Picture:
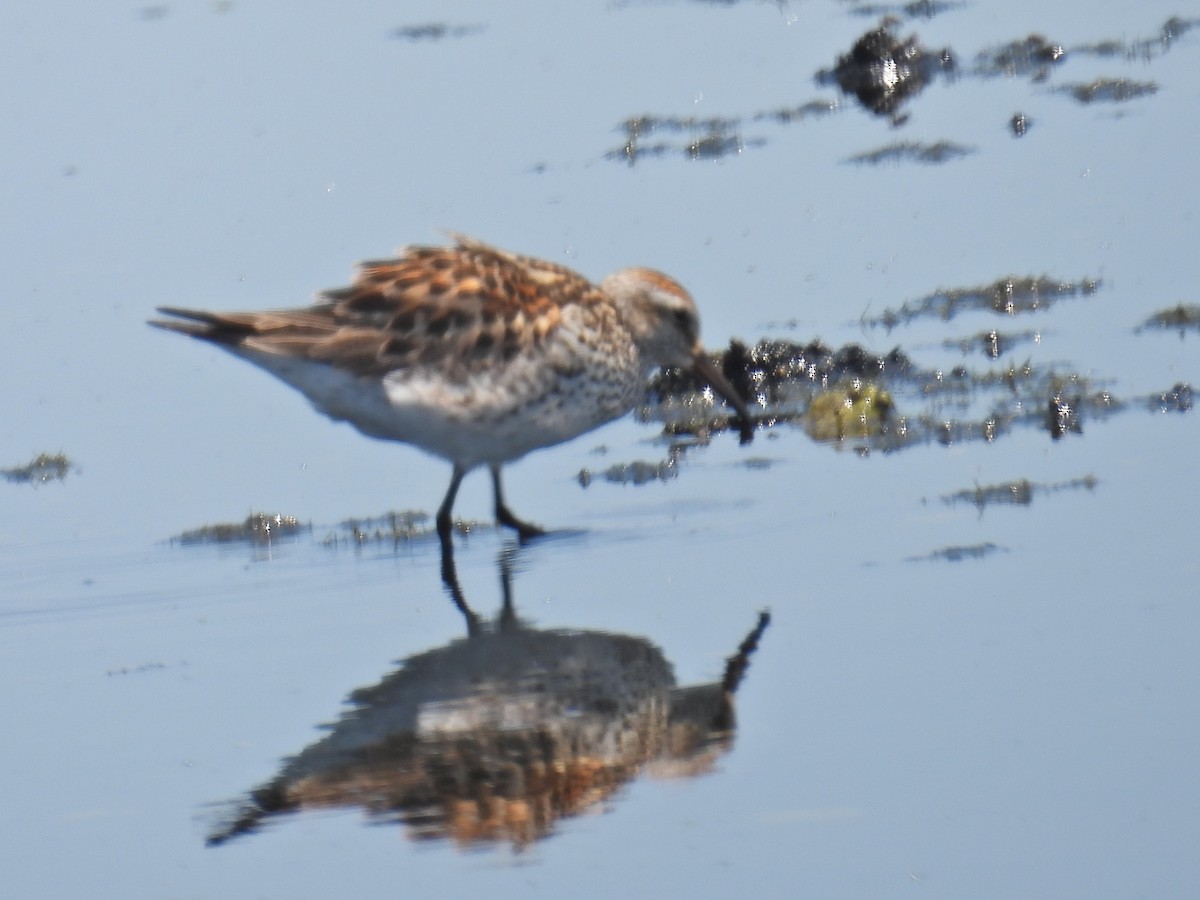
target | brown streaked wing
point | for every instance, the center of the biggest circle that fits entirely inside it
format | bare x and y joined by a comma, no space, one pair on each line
436,305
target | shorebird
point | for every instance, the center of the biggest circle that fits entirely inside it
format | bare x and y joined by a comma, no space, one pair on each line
473,353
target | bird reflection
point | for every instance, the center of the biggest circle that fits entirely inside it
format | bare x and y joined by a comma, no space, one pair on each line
492,738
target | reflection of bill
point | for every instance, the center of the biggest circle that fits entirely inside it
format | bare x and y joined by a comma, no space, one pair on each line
496,736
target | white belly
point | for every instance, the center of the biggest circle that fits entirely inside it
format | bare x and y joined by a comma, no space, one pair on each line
487,418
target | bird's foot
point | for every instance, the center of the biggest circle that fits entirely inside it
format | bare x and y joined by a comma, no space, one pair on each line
525,530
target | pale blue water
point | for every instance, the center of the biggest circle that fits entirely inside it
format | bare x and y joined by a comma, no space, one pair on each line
1018,725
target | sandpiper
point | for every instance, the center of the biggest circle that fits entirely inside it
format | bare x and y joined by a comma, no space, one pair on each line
472,353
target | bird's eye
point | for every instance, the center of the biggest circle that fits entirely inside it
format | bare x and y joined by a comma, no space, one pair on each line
683,319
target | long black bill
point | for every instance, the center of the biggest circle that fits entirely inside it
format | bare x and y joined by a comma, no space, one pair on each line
706,369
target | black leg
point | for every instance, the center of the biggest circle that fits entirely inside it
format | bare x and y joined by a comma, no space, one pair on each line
507,620
445,524
450,579
504,515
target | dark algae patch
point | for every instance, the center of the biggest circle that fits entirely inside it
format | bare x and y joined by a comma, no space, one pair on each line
395,528
993,343
1009,296
883,71
43,468
258,528
1029,57
690,137
959,554
1182,318
431,32
638,472
263,529
913,151
1109,90
1016,493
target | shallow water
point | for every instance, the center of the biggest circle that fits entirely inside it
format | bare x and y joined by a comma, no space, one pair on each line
974,698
